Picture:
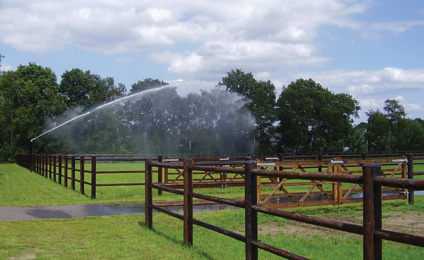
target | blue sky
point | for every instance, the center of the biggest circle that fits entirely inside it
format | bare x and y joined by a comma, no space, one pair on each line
371,49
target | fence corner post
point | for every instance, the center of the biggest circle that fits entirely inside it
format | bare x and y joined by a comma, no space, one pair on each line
148,194
251,215
372,246
188,203
411,195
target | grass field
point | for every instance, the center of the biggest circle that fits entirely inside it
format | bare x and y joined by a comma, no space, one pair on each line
125,237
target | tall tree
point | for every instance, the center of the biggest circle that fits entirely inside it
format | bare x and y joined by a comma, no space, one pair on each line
261,103
314,119
378,135
391,130
29,96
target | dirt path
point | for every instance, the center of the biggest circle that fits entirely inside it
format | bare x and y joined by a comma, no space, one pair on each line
411,222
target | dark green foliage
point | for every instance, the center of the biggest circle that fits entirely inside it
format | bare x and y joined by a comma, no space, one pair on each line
314,119
28,97
392,131
88,90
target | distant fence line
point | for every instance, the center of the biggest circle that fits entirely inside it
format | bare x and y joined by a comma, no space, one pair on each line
77,171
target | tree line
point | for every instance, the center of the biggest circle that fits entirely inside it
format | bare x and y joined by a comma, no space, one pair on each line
304,118
309,118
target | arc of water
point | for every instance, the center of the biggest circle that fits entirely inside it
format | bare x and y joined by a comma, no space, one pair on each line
100,107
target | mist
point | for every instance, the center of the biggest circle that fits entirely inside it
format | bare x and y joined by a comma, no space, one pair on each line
211,123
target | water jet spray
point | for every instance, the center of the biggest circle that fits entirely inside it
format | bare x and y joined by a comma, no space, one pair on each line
100,107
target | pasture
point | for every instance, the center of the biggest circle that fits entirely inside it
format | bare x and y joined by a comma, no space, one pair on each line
126,237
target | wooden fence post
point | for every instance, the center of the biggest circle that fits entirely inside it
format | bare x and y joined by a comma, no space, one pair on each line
42,165
160,174
46,166
37,157
82,177
188,203
148,194
60,169
372,246
54,167
93,177
65,177
73,172
410,158
337,186
49,162
251,215
39,166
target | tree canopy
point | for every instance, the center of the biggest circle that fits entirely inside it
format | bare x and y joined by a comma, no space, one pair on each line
392,131
28,97
312,119
87,90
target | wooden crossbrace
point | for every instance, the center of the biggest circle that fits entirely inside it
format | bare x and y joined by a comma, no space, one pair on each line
207,174
395,170
180,174
235,175
319,186
308,193
274,191
351,189
329,168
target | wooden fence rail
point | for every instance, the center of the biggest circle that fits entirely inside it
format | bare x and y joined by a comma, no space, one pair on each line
370,179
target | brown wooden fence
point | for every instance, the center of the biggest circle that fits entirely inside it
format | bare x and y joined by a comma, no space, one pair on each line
371,181
78,171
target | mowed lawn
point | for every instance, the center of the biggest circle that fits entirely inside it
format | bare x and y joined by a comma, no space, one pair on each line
126,237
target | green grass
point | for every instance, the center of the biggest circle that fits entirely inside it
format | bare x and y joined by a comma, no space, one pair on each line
19,187
125,237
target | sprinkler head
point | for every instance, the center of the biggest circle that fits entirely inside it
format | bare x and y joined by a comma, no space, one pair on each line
33,139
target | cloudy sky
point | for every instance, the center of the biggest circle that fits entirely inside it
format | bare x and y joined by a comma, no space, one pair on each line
371,49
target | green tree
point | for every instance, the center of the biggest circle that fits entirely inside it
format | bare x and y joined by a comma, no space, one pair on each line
392,131
29,96
314,119
261,102
146,84
378,132
87,90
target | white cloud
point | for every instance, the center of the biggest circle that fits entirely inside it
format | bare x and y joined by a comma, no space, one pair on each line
257,34
396,26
